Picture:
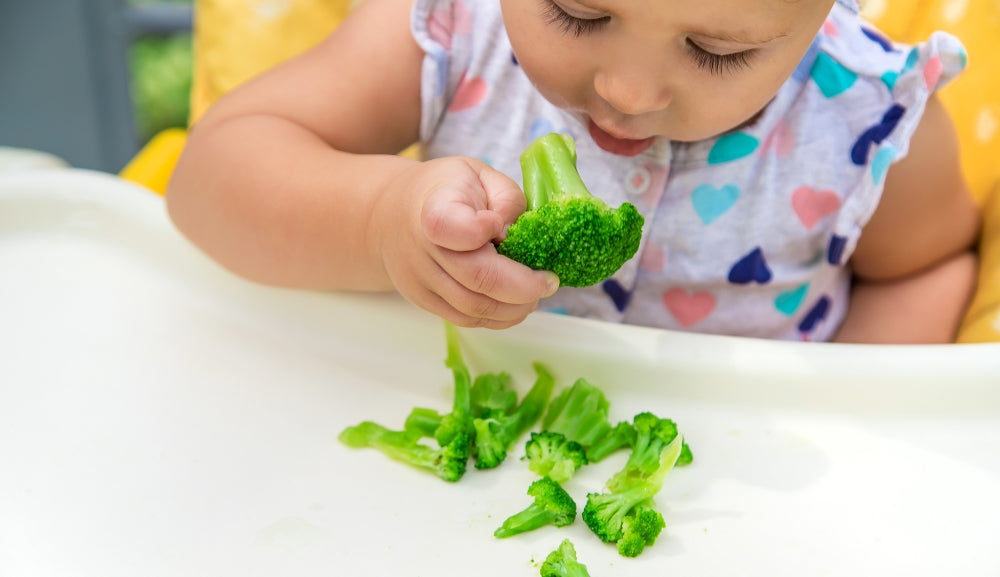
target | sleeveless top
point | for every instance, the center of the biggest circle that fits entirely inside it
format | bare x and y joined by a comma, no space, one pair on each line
749,233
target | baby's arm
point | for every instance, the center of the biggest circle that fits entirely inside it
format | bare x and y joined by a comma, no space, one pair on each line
915,269
293,180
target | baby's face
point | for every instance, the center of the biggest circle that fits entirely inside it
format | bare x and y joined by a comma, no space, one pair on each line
637,70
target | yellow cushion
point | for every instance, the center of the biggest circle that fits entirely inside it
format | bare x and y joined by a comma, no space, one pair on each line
974,98
152,166
237,39
982,322
974,103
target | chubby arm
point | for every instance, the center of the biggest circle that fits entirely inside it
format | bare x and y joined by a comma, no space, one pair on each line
914,266
293,180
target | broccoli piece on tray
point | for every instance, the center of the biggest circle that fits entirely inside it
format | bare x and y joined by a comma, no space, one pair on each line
565,228
552,506
563,562
652,436
551,454
620,436
447,462
580,412
624,512
454,431
496,430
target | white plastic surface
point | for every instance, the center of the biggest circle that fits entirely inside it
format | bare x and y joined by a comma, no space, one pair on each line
159,416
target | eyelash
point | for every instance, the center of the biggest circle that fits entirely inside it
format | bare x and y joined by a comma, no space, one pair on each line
569,24
719,63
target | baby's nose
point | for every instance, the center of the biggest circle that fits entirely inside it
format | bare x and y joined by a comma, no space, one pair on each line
631,92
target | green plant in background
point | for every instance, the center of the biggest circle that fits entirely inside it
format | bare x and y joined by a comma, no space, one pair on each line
161,72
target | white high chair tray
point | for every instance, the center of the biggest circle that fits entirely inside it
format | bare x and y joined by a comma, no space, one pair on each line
159,416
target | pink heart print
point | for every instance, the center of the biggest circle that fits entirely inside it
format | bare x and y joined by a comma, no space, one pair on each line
811,206
470,92
689,308
445,23
932,72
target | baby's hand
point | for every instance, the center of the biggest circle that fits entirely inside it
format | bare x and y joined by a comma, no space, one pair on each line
436,224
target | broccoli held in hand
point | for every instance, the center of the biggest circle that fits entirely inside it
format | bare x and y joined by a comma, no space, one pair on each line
552,506
551,454
563,562
565,228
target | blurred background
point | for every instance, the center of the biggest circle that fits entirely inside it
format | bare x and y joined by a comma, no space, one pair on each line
90,81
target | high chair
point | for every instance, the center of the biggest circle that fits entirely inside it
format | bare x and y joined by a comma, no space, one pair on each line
236,39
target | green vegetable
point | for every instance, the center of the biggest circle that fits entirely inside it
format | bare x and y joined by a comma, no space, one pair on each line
552,506
652,435
624,512
620,436
493,391
496,430
580,412
562,562
551,454
447,462
454,431
565,228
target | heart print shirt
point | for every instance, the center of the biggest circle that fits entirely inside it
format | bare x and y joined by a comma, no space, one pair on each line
749,233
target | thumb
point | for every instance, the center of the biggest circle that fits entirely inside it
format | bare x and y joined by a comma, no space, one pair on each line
503,196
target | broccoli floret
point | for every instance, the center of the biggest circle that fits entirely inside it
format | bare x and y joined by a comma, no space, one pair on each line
620,436
552,506
580,412
652,435
565,228
606,513
493,391
551,454
423,421
454,431
448,462
496,430
562,562
640,528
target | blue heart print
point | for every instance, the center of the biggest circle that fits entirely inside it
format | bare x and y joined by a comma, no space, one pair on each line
541,127
815,316
878,39
619,295
731,147
835,253
883,160
830,76
889,79
876,134
789,301
710,202
751,268
801,73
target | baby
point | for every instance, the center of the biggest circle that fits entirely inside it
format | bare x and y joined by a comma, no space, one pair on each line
797,175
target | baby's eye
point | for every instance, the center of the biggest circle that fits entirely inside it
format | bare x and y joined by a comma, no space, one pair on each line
569,24
720,64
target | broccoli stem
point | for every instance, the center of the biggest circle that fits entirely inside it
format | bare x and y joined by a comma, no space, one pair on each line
548,167
532,518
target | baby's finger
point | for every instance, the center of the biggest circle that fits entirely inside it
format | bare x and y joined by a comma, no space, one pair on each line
461,307
503,195
454,224
485,272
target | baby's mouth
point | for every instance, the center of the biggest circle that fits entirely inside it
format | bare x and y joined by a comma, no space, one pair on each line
615,145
